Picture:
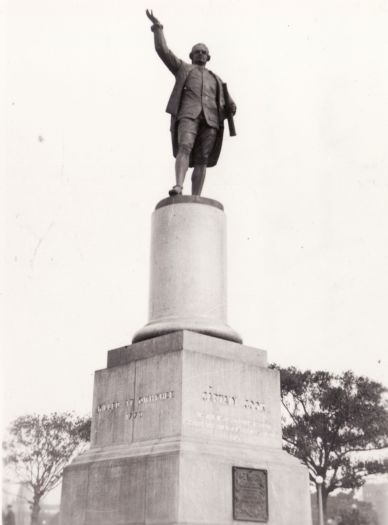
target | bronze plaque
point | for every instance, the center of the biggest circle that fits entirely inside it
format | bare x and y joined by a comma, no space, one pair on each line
250,494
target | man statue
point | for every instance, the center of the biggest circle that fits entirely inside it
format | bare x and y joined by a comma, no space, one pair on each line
197,107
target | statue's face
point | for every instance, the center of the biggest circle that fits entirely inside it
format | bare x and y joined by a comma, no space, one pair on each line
199,54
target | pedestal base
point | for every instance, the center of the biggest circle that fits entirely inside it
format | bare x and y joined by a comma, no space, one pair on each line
179,482
172,417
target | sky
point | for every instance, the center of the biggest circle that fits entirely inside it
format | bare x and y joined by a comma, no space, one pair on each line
87,157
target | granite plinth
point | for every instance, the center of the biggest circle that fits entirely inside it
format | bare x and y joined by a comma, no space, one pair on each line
170,420
191,341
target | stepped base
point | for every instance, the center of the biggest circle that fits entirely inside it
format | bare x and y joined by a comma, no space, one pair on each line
181,482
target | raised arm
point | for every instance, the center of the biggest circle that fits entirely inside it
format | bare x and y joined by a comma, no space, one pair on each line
172,62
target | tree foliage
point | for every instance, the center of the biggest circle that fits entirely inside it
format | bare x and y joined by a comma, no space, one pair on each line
40,446
329,419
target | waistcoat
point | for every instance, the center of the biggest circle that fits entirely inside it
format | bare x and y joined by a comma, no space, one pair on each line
200,95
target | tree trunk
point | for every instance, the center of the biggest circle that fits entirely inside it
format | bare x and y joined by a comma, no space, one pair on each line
35,509
325,496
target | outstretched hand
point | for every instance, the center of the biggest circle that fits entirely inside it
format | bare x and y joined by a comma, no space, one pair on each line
153,18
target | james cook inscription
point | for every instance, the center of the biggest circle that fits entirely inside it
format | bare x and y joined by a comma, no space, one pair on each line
240,416
225,399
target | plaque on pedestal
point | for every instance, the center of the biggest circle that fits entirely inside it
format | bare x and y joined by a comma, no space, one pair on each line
250,495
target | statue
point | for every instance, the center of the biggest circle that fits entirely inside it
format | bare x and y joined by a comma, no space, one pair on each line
198,105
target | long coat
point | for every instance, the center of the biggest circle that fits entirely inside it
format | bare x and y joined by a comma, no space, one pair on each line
181,71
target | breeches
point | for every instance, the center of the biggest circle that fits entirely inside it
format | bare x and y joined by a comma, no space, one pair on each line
195,137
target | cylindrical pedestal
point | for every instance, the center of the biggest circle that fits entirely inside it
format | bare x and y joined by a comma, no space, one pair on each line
188,269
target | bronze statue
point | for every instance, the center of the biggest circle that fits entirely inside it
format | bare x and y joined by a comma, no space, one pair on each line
198,105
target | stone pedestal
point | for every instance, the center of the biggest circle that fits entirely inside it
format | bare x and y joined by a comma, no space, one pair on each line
186,421
172,417
188,269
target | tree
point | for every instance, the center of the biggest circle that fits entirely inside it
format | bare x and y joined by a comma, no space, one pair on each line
328,420
40,446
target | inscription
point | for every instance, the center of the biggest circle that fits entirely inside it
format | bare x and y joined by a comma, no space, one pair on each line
162,396
222,399
133,415
254,405
233,428
131,404
104,407
225,399
250,494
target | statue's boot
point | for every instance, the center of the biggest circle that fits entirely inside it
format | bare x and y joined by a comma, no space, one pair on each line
175,190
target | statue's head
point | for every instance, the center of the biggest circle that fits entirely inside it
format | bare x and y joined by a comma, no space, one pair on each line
199,54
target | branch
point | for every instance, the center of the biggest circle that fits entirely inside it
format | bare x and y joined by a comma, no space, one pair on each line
289,413
363,449
306,459
335,436
285,438
333,479
303,405
55,474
